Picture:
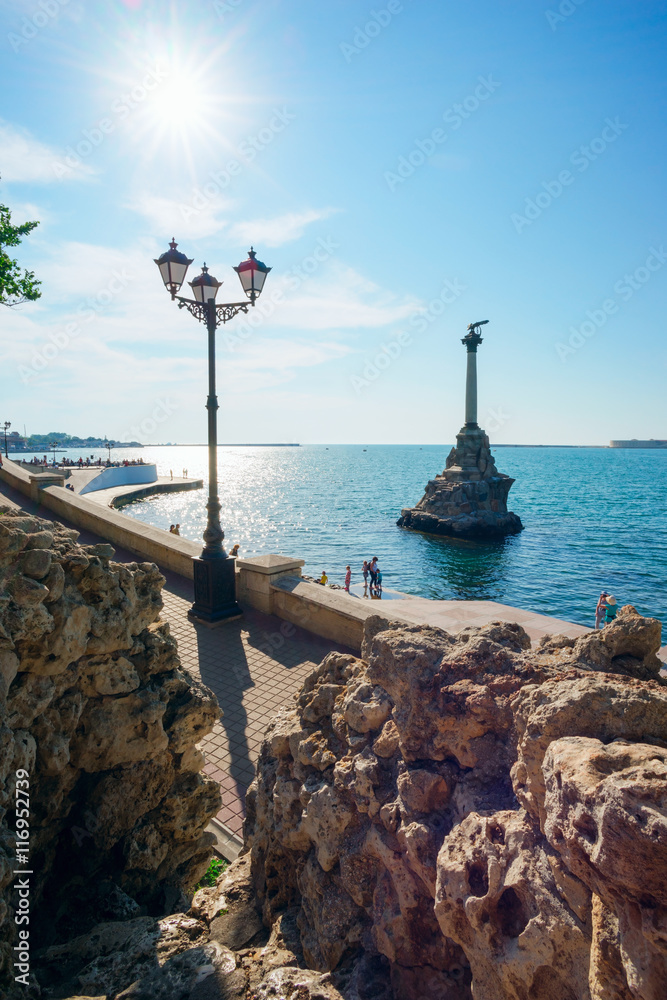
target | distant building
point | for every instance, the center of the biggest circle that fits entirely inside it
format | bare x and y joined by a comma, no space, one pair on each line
15,442
635,443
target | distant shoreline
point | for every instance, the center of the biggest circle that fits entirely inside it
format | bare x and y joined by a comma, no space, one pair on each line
604,446
227,444
640,446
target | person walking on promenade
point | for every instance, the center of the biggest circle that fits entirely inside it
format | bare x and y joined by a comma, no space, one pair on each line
364,570
348,578
378,582
600,610
611,609
177,529
324,579
172,529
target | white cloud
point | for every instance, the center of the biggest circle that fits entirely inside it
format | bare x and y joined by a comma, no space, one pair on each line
282,356
279,230
24,159
26,210
200,215
127,293
337,297
181,218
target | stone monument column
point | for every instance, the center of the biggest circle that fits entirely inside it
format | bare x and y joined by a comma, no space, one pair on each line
472,341
469,498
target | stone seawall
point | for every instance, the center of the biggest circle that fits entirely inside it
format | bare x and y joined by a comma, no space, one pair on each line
169,551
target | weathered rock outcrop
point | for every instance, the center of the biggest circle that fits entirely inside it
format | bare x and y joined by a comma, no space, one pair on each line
101,723
475,817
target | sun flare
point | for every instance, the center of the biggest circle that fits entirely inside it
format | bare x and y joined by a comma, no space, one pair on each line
186,114
181,101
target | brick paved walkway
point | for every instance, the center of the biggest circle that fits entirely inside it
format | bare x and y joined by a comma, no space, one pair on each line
254,665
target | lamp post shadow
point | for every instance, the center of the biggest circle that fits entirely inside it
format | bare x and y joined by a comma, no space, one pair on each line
223,667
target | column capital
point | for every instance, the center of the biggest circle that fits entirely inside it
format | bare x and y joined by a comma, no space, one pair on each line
472,342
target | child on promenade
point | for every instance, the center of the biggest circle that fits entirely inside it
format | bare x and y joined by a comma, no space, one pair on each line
600,610
348,578
610,612
364,570
324,579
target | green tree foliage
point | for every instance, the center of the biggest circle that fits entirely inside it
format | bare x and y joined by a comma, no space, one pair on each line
15,287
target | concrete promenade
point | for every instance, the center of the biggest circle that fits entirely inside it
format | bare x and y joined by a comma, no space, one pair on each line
118,496
452,616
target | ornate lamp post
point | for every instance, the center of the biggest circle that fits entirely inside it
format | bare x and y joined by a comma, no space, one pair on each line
7,424
53,446
214,574
109,445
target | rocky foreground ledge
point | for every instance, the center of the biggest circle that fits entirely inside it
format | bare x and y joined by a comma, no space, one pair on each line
446,817
99,722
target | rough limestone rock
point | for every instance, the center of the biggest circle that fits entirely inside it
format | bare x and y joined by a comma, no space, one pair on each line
606,815
96,709
469,498
142,959
464,812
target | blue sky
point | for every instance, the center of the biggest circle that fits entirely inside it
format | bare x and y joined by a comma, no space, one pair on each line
405,168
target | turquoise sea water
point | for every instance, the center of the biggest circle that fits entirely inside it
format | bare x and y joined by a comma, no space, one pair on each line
594,519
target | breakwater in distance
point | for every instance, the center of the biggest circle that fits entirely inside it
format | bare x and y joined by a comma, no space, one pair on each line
594,519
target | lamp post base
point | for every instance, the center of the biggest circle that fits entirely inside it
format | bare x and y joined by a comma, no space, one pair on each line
215,591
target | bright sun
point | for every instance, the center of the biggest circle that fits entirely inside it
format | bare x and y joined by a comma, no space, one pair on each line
180,101
186,112
191,107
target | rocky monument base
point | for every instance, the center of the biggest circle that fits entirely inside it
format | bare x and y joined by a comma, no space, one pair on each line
469,499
